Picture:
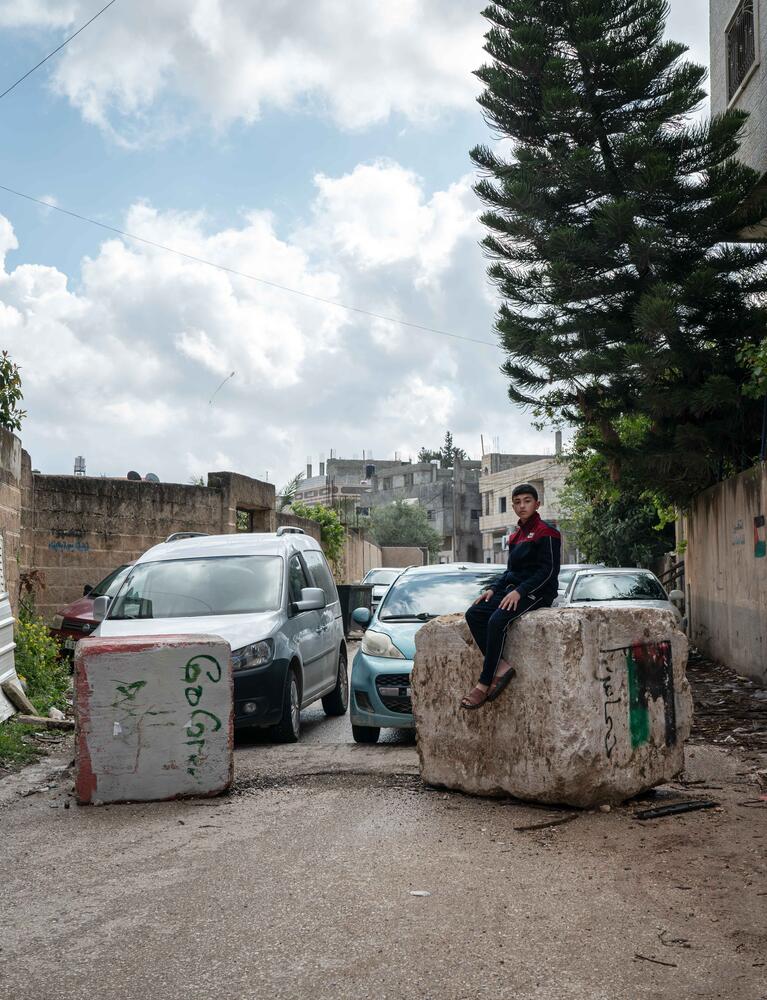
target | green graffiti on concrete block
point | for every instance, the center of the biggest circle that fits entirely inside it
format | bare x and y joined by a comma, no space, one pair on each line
639,715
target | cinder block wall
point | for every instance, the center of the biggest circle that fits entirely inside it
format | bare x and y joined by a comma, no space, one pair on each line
10,510
76,529
79,528
726,572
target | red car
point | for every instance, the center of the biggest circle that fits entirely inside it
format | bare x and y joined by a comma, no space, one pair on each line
76,619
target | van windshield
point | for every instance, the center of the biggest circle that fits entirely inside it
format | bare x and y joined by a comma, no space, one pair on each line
191,588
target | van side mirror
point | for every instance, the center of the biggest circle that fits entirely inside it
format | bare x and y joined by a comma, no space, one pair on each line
312,599
100,608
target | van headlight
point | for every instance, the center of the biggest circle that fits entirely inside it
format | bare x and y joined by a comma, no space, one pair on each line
256,654
380,644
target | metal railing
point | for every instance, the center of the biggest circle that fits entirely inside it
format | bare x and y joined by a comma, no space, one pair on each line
741,46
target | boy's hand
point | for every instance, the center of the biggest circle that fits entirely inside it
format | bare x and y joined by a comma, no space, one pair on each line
486,595
510,601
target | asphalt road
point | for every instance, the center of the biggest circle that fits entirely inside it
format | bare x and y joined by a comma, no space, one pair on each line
316,727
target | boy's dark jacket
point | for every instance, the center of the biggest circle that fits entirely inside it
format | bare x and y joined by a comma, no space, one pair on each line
533,566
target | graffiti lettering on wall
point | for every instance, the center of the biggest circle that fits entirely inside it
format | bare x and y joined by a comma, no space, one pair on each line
124,703
69,546
71,533
650,675
608,687
201,721
738,533
760,540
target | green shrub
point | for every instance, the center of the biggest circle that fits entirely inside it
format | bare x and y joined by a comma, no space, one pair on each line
38,663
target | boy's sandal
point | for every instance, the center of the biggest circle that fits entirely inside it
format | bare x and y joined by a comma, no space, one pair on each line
500,685
474,699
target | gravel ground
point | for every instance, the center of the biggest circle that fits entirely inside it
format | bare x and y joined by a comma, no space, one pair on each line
300,883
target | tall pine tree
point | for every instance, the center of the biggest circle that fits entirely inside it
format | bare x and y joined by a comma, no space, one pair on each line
623,294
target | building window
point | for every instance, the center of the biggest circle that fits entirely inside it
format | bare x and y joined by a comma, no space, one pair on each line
429,515
501,505
387,483
409,479
741,46
475,515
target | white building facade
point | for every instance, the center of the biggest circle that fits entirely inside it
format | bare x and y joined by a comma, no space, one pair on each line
738,41
498,520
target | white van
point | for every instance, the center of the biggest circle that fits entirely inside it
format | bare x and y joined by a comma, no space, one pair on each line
271,596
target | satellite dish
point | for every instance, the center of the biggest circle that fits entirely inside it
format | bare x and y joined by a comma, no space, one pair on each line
134,477
152,477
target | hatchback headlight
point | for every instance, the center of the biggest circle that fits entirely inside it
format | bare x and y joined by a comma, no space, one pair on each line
256,654
380,644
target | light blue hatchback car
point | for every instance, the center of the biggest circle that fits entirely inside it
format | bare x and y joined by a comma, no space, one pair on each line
380,684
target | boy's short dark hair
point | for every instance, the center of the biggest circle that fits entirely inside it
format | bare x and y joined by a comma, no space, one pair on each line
524,488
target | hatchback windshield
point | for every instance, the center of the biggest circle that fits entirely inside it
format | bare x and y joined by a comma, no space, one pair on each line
382,577
426,595
186,588
618,587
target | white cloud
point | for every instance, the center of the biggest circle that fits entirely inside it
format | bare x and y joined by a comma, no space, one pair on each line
358,63
378,215
124,368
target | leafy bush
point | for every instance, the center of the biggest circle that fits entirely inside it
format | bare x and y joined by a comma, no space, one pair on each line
402,523
332,531
39,664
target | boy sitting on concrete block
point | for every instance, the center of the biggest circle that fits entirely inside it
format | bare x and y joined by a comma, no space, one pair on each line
529,583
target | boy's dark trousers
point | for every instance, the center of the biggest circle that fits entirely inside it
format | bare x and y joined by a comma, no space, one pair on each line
488,624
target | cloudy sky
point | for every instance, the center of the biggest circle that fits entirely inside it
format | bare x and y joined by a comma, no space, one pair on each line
326,153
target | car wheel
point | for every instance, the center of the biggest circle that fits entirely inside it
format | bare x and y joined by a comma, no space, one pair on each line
288,729
337,701
366,734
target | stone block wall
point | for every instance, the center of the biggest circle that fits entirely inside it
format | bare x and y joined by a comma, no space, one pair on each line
10,511
76,529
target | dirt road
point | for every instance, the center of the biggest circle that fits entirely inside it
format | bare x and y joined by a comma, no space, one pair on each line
299,885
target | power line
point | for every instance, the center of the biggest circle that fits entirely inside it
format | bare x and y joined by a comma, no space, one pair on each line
249,277
60,47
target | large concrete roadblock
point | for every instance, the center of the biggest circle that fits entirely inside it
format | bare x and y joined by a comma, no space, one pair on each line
154,718
599,710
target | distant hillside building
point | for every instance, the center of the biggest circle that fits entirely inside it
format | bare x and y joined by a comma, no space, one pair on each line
500,474
449,496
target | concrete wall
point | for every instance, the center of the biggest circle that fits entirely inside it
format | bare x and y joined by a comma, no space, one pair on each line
359,556
76,529
752,96
726,572
291,521
10,511
403,555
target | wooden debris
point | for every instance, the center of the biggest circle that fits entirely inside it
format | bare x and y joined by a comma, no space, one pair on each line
655,961
559,821
16,695
45,723
675,808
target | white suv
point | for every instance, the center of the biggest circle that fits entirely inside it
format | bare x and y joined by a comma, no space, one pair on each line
272,597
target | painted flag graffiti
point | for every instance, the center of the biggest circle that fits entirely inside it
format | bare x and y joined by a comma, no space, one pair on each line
650,675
